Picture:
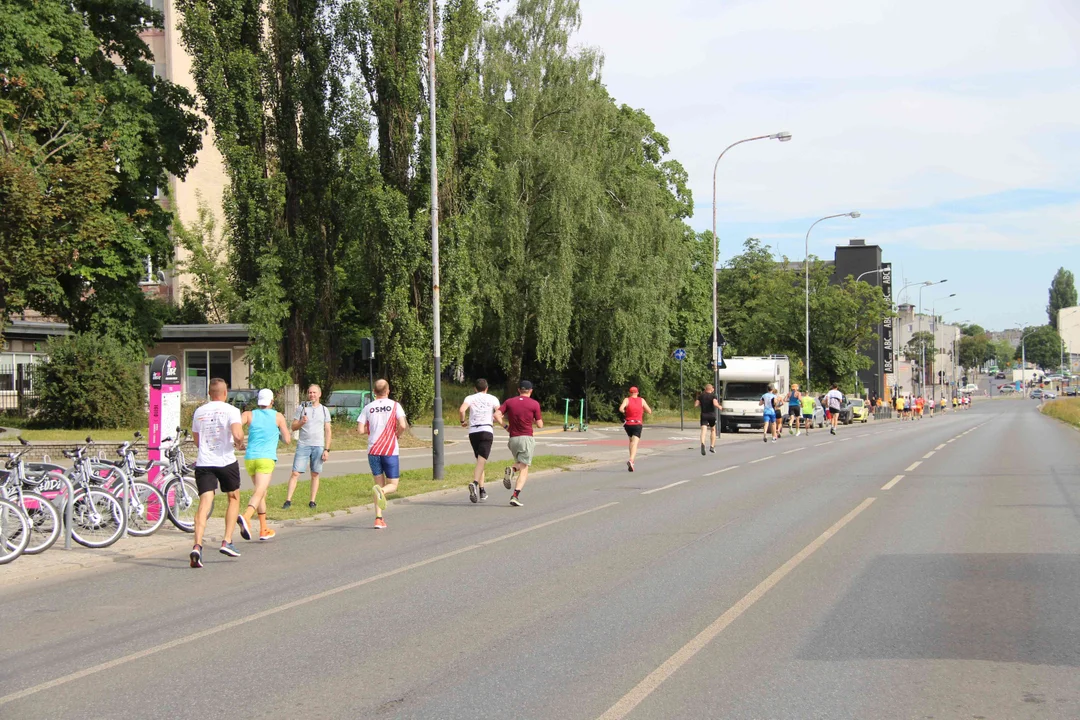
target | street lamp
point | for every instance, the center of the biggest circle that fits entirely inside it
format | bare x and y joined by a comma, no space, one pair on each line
922,366
933,312
869,272
1023,359
782,137
806,272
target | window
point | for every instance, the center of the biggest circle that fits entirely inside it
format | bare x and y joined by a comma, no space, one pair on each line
202,365
9,363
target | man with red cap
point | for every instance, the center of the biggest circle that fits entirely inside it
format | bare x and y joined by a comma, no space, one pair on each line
633,409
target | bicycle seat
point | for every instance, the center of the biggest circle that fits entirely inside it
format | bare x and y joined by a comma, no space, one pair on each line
113,463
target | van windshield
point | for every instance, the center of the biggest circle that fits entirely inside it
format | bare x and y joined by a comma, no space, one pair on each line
745,390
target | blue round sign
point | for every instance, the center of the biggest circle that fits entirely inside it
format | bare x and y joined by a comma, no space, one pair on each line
680,354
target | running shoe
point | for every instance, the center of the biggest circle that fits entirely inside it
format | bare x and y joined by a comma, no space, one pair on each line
508,477
798,433
311,505
630,466
702,448
267,534
765,438
832,431
380,496
228,549
791,431
712,449
483,495
474,491
245,530
380,524
196,557
516,501
286,505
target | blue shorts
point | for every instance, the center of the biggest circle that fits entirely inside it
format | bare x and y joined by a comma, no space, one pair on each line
305,455
387,465
770,416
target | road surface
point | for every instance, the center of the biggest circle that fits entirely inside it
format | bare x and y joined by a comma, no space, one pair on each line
897,570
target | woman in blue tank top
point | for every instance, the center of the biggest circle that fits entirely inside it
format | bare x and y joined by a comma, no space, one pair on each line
265,427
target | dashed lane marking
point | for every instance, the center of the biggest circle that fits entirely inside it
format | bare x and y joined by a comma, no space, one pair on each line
767,457
940,446
928,455
913,465
722,470
824,443
788,452
889,485
650,492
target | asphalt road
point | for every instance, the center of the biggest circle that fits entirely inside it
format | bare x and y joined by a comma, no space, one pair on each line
777,580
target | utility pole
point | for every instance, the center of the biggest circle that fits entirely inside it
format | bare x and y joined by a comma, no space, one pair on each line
437,455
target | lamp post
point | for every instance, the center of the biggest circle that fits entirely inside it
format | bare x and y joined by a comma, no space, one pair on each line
806,272
955,356
933,313
860,277
437,454
922,341
1023,359
782,137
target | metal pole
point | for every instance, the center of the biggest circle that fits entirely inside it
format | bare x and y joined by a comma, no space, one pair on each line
437,455
806,273
681,424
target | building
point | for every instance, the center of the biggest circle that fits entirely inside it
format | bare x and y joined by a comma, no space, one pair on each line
1069,329
942,365
1011,336
863,262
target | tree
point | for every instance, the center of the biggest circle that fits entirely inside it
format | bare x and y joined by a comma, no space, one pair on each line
88,381
88,136
1062,295
972,330
975,350
1042,347
1002,352
207,263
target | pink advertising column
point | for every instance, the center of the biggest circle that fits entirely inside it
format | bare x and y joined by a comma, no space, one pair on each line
164,406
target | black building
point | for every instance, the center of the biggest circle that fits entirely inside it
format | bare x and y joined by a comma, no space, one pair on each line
863,262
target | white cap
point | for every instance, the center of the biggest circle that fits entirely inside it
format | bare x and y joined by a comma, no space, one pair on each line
266,397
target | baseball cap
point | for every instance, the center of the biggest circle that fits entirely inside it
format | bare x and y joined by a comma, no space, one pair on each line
525,385
266,397
633,388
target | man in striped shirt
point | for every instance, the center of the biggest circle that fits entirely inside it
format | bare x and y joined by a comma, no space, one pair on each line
382,421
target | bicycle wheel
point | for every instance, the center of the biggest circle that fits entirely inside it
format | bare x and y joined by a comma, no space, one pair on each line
14,531
182,498
145,510
44,522
98,518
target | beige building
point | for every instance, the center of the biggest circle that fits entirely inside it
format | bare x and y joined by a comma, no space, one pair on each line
944,359
1069,329
207,179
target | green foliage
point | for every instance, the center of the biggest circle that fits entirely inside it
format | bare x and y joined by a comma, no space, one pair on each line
1062,295
972,330
207,263
87,136
266,312
1002,352
976,350
1042,347
89,381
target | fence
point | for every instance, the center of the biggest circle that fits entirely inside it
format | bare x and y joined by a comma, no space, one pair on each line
18,389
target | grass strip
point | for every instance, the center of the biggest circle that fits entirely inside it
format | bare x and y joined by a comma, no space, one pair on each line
346,491
1067,410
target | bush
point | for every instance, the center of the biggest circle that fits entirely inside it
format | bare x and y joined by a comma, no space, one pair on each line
91,382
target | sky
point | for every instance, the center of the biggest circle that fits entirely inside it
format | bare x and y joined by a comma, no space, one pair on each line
952,126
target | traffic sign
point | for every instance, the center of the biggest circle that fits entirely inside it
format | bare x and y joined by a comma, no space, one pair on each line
680,354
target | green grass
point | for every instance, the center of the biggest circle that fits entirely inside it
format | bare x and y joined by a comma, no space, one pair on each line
78,436
347,491
1067,410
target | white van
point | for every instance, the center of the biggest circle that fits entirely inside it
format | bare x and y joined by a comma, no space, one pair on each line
743,382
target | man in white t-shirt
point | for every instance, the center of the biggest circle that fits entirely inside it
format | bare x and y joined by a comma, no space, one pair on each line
481,407
835,400
218,432
382,421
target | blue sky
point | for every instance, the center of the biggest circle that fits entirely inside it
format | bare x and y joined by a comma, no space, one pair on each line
953,127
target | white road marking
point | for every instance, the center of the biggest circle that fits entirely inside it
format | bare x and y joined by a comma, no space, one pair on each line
913,465
844,439
940,446
717,472
794,451
767,457
928,455
653,680
187,639
650,492
824,443
892,482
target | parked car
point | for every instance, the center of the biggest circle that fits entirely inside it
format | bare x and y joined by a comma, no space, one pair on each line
1072,391
1036,394
1049,395
1000,376
1006,389
859,410
242,399
347,403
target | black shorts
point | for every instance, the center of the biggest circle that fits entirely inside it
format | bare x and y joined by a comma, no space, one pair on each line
207,479
632,430
709,420
795,411
481,444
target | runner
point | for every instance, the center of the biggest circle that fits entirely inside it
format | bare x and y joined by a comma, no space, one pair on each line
955,402
919,404
481,407
768,414
633,409
835,399
218,433
808,412
930,403
265,426
710,406
794,401
383,420
778,410
522,412
899,407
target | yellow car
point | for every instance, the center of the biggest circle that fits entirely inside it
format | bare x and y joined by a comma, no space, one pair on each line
859,411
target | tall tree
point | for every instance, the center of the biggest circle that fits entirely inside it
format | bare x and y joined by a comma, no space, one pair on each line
1042,347
1062,295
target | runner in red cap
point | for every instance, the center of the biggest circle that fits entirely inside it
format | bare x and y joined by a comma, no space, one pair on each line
633,409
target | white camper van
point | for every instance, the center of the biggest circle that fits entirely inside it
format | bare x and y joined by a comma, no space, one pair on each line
744,381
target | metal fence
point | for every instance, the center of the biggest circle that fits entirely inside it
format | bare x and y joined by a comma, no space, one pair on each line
18,388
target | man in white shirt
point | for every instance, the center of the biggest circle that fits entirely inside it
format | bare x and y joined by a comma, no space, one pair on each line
218,432
383,420
481,407
835,400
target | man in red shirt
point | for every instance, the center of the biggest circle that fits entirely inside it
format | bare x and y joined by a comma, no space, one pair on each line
633,409
521,413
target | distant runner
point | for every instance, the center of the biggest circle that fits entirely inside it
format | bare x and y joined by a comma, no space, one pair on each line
794,399
633,409
383,420
835,400
899,407
808,411
768,414
522,412
710,406
481,408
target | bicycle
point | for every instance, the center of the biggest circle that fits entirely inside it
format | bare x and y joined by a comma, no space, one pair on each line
98,517
144,504
14,531
43,518
178,484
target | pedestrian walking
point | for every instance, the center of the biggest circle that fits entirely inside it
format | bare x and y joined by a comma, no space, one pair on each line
265,427
633,409
481,408
521,414
218,432
835,400
768,414
710,407
314,432
383,420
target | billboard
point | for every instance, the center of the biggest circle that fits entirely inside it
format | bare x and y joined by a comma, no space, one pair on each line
887,323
